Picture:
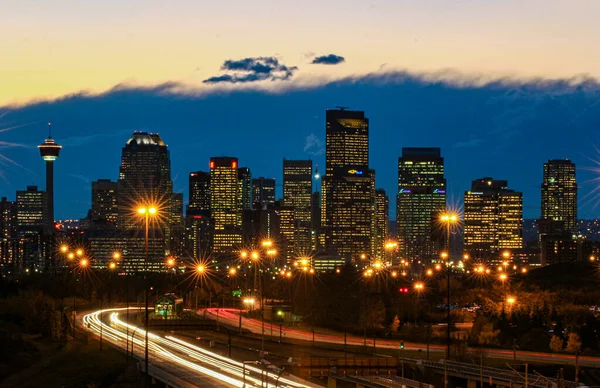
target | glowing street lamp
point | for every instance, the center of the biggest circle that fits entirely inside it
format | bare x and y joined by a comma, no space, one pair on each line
112,265
64,248
146,212
429,272
200,268
116,255
170,262
419,286
79,252
244,254
83,263
511,300
71,256
232,271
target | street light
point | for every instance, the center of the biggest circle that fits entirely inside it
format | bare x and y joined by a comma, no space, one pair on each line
449,219
64,248
146,212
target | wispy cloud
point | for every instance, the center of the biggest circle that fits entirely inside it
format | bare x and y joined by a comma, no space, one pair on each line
77,141
330,59
253,69
314,145
472,142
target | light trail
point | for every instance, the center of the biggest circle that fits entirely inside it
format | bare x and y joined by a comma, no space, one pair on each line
184,354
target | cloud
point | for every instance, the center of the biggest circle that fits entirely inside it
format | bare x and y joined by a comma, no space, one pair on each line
314,145
253,69
330,59
472,142
78,141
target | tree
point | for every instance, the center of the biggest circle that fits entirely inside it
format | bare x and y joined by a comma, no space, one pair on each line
556,344
573,343
488,335
395,323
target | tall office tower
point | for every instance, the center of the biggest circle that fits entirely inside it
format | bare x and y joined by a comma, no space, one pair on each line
374,242
263,193
199,193
8,233
559,193
245,187
144,178
104,202
346,214
225,207
297,194
421,193
32,218
316,221
493,219
382,216
287,232
49,151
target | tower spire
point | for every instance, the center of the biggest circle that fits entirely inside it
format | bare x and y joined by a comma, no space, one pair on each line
49,130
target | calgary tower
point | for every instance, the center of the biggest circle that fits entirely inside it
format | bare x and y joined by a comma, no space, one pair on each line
49,151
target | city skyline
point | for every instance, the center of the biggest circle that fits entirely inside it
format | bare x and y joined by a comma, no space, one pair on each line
385,184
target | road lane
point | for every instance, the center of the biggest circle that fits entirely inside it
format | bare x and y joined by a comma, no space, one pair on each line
184,359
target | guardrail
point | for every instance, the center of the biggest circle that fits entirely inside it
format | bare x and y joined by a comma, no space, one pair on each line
493,373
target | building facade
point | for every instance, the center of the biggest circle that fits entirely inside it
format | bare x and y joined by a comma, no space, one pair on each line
245,187
493,219
199,193
263,193
225,206
105,210
297,194
559,193
421,193
347,194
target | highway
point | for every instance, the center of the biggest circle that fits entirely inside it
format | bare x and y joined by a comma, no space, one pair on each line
182,359
231,317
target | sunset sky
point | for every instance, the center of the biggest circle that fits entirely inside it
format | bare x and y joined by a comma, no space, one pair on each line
52,48
500,86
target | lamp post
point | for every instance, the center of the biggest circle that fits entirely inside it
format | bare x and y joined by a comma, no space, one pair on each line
146,212
448,219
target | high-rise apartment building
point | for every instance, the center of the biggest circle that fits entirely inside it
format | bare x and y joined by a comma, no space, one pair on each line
347,195
199,193
421,193
559,193
245,187
493,219
297,194
104,202
263,193
225,206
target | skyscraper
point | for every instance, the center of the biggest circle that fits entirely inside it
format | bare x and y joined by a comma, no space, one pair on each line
8,232
382,211
32,218
144,178
559,193
493,219
49,151
225,207
421,193
263,193
245,187
297,194
104,202
199,193
347,187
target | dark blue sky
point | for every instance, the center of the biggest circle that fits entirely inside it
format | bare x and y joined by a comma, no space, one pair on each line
506,130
